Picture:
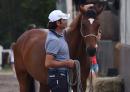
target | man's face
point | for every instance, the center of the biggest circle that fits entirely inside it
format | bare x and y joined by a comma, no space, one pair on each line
63,23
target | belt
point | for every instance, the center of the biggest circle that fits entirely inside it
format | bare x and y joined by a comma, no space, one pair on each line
56,72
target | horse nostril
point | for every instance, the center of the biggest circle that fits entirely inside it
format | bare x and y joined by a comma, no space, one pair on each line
91,51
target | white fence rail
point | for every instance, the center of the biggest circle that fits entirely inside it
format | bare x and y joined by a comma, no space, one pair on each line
3,51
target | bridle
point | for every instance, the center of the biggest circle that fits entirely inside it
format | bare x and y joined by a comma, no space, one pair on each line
88,35
90,51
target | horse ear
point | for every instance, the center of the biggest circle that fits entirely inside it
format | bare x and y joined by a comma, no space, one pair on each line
81,8
84,8
99,7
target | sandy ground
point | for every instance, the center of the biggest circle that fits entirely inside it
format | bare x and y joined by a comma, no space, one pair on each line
8,83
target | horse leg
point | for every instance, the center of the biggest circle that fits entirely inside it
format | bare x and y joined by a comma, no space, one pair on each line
26,82
84,85
31,84
44,88
74,88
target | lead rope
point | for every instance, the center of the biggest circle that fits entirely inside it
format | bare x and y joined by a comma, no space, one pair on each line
91,80
77,81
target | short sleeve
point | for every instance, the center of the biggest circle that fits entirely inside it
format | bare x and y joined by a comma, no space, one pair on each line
52,46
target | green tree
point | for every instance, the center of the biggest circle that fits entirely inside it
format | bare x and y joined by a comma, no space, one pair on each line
15,15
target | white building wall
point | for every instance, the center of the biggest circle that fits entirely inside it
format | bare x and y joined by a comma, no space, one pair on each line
66,7
1,49
69,10
125,22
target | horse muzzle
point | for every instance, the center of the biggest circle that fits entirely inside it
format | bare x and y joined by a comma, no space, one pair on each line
91,51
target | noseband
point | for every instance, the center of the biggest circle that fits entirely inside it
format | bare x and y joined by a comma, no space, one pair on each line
89,35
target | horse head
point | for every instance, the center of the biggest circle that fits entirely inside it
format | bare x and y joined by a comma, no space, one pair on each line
90,26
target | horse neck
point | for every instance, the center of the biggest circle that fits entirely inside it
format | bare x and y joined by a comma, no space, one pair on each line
74,38
73,33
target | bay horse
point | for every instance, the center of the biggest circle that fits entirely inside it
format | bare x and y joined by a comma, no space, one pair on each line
29,51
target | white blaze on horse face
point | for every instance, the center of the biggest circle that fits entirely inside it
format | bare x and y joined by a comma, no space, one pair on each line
91,20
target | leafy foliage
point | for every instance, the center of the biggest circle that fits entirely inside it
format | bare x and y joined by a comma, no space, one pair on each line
15,15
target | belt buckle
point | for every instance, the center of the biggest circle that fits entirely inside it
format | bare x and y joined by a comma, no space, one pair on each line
62,74
52,76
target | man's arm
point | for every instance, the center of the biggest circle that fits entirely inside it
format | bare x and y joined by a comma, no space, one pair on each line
50,62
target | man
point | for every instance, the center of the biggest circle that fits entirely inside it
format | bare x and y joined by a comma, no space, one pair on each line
57,52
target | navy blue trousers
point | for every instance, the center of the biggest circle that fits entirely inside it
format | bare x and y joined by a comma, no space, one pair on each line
57,81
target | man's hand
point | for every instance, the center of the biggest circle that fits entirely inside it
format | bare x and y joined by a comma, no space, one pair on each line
84,8
70,63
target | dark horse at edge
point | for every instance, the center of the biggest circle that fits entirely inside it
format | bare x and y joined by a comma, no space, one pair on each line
29,52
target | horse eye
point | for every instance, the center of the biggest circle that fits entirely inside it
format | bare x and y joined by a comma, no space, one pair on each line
84,24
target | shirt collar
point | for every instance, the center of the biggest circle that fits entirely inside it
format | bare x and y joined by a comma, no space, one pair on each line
57,34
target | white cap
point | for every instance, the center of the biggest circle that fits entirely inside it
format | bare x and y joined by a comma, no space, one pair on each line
56,15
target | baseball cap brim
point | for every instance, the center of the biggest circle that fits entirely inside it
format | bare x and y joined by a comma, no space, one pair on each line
65,16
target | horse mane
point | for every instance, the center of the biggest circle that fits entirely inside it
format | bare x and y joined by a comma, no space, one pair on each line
75,23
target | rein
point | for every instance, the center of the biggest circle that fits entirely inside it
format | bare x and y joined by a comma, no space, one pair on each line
91,81
77,81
